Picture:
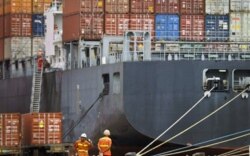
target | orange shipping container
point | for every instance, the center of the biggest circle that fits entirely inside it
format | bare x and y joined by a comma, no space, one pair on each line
1,8
1,26
192,27
26,25
142,22
17,6
10,129
70,8
167,6
88,6
40,6
41,128
117,6
192,7
116,24
142,6
71,31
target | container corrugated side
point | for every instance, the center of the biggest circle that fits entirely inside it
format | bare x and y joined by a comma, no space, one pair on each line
220,7
70,8
16,48
192,27
37,43
26,6
13,25
88,6
167,6
240,5
10,129
41,128
239,26
37,25
13,6
92,26
26,25
142,22
192,7
167,27
1,26
117,6
142,6
217,27
40,6
1,49
71,31
116,24
1,7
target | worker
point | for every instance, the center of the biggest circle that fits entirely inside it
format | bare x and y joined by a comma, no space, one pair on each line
104,144
39,60
83,145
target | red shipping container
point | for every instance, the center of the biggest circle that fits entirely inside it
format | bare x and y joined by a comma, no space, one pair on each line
26,25
192,7
1,26
91,26
10,129
142,22
41,128
1,49
1,8
192,27
70,7
71,31
116,24
167,6
88,6
117,6
142,6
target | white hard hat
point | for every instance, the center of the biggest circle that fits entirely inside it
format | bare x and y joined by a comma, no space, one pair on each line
84,135
106,132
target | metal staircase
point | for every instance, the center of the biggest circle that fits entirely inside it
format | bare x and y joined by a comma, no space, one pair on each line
36,89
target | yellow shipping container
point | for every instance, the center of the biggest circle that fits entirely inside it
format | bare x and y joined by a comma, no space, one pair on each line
39,6
17,6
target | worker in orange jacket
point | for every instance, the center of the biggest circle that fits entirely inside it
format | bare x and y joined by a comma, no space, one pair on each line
40,59
104,144
83,145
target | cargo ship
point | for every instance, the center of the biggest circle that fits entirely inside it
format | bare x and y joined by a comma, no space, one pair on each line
135,70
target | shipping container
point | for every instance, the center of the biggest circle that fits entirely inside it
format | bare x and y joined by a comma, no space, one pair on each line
142,6
167,6
40,6
192,27
88,6
16,48
167,27
116,24
70,8
239,26
240,5
37,43
218,7
13,6
217,27
38,25
1,7
10,130
91,26
71,31
117,6
192,7
26,6
41,128
1,26
142,22
17,25
1,49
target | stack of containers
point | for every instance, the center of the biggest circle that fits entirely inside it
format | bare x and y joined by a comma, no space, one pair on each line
240,22
217,20
192,20
116,17
88,19
1,31
167,25
142,15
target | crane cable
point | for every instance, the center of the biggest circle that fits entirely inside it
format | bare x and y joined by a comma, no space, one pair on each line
217,143
209,115
234,151
202,143
204,96
243,154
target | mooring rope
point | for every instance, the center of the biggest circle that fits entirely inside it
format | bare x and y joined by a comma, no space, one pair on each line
198,102
234,151
182,132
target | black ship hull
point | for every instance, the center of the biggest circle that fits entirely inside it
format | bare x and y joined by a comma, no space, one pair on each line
142,100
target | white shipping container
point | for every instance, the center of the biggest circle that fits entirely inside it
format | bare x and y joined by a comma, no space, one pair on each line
240,5
239,26
17,48
220,7
38,43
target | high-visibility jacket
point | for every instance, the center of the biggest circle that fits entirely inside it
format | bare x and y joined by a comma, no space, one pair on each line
104,146
82,147
39,63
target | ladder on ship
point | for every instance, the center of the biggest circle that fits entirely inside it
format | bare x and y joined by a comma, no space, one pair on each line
36,88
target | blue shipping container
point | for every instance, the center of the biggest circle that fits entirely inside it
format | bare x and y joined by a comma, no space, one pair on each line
167,27
217,27
38,25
